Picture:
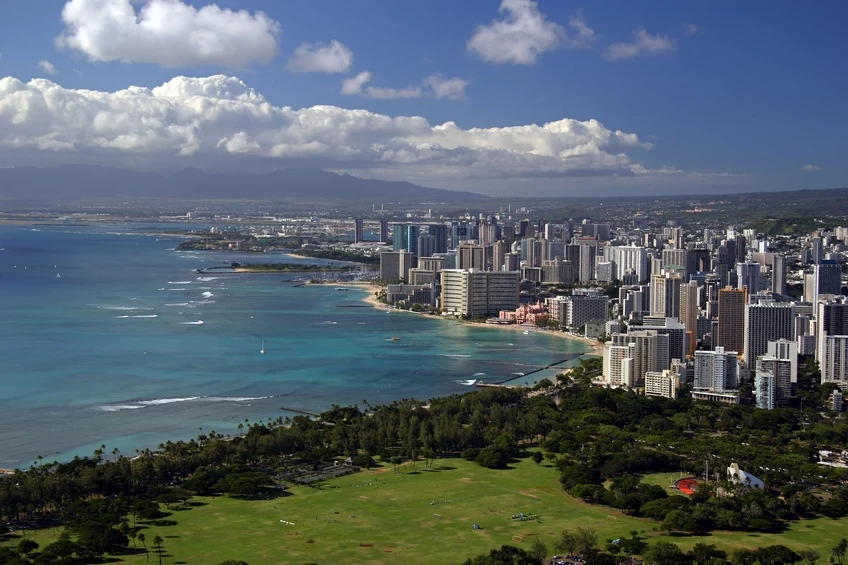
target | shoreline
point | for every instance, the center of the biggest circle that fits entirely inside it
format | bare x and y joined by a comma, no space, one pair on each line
593,346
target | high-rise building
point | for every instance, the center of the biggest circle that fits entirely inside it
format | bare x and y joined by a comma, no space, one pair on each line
647,348
394,266
628,258
588,256
618,365
781,363
440,233
665,293
434,264
834,360
716,370
765,387
678,258
764,322
557,271
412,233
689,311
399,238
472,293
671,327
748,276
584,305
818,250
426,245
384,231
778,274
731,319
831,320
358,224
499,251
827,279
472,256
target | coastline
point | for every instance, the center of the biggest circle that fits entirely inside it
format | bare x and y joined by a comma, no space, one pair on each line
594,347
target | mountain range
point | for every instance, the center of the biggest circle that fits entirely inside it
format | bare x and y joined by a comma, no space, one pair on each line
81,182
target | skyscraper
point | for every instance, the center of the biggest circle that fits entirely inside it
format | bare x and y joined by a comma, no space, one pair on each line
689,311
665,293
827,279
471,256
731,319
588,256
357,230
831,320
440,233
778,274
627,258
412,233
472,293
748,275
399,238
426,245
384,230
765,322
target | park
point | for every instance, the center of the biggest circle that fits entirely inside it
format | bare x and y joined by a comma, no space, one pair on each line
417,517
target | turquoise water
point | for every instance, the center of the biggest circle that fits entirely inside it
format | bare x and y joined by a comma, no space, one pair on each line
111,352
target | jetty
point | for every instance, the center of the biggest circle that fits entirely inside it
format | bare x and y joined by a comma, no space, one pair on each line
525,375
299,411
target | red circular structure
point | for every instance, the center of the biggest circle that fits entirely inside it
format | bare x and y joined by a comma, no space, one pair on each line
687,485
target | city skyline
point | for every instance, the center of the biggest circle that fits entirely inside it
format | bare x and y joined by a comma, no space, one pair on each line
517,97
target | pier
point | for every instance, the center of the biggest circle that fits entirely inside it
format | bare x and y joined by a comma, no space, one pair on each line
299,411
525,375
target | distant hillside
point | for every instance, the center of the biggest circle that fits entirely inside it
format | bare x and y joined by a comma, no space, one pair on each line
80,182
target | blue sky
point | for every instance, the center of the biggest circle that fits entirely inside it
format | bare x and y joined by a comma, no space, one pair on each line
711,96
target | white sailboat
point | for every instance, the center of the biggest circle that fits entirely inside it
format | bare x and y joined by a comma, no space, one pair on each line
262,351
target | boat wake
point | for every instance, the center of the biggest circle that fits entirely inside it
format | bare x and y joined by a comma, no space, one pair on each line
207,279
478,374
467,382
207,294
197,323
146,316
179,282
458,356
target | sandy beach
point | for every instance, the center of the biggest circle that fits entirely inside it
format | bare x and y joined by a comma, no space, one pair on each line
594,346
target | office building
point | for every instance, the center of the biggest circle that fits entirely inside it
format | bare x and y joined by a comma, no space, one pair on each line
731,319
664,384
764,322
827,279
399,238
717,370
358,225
472,256
471,293
440,234
689,311
748,276
412,233
426,245
384,231
778,274
394,266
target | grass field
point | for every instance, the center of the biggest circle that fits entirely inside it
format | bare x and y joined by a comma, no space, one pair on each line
383,517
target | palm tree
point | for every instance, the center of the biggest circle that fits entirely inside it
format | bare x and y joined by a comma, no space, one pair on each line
838,553
240,429
115,452
157,541
142,538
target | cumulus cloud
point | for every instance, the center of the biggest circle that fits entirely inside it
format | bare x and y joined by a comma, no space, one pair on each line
434,86
643,45
810,168
524,34
169,33
333,57
220,118
47,67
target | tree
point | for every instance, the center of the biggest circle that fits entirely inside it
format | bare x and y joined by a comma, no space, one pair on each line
157,541
142,538
27,546
537,457
506,555
665,553
837,554
809,556
539,549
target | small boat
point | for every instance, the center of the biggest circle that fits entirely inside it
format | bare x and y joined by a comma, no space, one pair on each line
58,276
342,289
527,332
395,338
262,351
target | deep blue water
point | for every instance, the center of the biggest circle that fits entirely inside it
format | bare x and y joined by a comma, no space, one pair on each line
74,373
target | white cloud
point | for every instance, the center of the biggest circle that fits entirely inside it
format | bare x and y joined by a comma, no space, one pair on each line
169,33
524,34
644,45
689,30
47,67
333,57
434,86
440,87
220,119
810,168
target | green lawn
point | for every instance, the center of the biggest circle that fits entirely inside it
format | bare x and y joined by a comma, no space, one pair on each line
379,516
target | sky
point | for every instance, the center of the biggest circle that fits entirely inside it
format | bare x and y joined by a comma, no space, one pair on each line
509,97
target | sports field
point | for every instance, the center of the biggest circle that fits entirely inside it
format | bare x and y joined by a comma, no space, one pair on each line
379,516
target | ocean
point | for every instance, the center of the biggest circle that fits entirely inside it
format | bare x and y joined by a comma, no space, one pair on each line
101,343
